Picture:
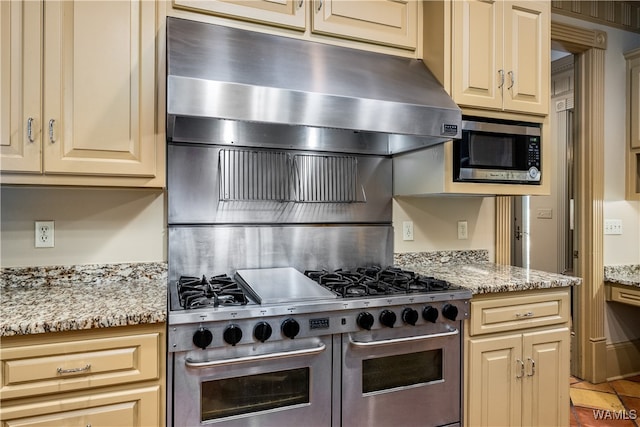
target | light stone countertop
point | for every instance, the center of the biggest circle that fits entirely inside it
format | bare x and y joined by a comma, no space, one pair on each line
53,299
628,275
473,272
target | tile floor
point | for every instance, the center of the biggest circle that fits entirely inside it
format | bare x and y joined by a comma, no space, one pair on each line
614,403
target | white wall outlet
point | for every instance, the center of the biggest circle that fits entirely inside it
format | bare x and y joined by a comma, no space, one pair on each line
612,226
44,234
463,232
407,230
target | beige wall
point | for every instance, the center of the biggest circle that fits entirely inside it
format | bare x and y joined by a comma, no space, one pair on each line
620,320
91,226
435,223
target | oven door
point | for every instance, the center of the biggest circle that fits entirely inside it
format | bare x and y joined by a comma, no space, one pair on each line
403,381
275,388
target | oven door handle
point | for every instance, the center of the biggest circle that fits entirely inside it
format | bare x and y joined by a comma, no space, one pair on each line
212,363
402,340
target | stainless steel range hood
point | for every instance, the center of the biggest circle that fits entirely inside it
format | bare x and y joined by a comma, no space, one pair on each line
225,85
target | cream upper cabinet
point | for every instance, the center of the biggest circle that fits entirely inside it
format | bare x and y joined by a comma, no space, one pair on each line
286,13
20,88
501,54
386,22
633,125
390,23
517,360
97,115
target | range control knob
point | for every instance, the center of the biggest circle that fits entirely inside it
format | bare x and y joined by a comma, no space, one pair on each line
202,338
262,331
232,334
410,316
430,314
450,311
365,320
290,328
388,318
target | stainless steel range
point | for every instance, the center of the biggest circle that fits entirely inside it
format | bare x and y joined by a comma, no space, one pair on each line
283,310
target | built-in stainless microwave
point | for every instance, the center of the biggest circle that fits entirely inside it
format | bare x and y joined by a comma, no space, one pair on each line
497,151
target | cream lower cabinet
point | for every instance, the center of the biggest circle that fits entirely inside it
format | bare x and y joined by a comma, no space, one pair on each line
81,93
107,377
518,376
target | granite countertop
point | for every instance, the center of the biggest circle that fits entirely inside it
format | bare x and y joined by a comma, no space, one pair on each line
628,275
474,272
53,299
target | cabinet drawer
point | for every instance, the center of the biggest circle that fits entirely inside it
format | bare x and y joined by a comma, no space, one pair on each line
135,407
64,366
520,312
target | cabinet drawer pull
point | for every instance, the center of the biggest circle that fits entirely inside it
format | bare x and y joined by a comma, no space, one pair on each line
319,6
501,72
30,129
521,363
532,363
527,314
85,368
512,79
300,4
51,122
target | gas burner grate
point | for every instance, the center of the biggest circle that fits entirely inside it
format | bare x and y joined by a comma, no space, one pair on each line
221,290
375,280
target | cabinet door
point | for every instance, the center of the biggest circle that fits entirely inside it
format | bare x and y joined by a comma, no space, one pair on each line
634,105
545,392
286,13
99,87
20,88
127,408
495,381
527,46
477,53
388,22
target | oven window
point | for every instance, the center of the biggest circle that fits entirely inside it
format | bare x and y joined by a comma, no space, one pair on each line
253,393
402,370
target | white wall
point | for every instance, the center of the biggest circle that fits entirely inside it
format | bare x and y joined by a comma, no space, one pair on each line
435,223
92,226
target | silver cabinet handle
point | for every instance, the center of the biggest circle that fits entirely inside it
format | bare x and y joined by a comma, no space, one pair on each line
512,79
532,363
402,340
85,368
30,129
213,363
521,363
501,72
319,5
527,314
51,122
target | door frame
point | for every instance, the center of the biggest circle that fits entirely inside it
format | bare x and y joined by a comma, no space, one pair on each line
588,46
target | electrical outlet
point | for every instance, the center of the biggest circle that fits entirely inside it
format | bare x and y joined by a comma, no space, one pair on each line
463,232
612,226
407,230
44,234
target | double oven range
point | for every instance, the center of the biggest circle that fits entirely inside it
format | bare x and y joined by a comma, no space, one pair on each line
282,309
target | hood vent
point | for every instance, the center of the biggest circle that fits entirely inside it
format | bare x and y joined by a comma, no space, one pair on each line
218,76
